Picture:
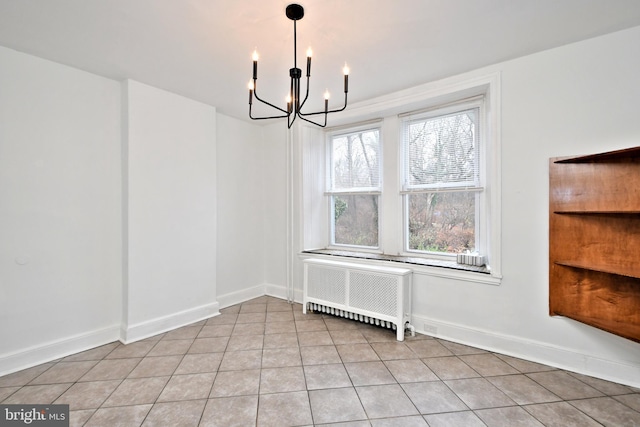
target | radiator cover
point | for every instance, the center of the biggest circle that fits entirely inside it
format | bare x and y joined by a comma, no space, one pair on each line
377,295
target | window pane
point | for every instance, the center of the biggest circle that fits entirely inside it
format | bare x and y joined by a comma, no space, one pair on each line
442,221
442,151
355,160
355,220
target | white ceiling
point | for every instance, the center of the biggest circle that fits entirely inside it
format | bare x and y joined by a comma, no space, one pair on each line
202,48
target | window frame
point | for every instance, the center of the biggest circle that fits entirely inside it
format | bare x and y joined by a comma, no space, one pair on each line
330,134
406,190
315,238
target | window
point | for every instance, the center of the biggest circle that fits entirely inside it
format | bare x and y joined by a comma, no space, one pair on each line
441,181
354,187
414,179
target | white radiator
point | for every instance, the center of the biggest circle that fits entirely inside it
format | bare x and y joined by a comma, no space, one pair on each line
372,294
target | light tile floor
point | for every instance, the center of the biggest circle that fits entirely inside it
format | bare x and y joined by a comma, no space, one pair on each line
265,363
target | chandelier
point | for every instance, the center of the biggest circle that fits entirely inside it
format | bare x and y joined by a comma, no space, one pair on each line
294,102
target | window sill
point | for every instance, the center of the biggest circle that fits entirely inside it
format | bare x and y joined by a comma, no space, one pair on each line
430,267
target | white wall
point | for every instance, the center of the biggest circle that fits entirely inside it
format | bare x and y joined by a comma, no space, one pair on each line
170,211
60,266
107,210
61,249
580,98
108,185
241,202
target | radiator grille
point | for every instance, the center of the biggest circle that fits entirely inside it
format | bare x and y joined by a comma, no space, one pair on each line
374,293
378,295
327,284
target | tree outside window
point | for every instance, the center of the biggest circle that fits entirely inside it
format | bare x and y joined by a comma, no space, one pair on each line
355,187
442,182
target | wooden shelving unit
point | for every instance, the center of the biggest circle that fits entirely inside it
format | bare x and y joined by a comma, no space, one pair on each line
594,240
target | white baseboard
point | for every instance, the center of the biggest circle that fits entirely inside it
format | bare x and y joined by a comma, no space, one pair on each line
281,292
534,351
562,358
241,296
149,328
63,347
269,289
53,350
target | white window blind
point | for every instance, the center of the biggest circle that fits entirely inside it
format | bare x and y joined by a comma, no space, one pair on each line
442,152
355,161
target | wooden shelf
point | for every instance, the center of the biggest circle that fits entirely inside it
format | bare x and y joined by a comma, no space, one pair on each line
594,233
597,212
609,269
625,155
605,325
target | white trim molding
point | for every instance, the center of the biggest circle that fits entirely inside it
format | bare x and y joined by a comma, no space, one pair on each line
279,291
530,350
238,297
53,350
149,328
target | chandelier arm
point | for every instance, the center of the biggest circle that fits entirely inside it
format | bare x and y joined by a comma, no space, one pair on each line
270,104
296,91
265,118
290,120
306,95
328,111
312,122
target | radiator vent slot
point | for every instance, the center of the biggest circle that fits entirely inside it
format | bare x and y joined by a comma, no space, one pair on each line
319,308
372,294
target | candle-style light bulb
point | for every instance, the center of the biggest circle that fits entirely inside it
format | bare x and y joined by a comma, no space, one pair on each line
288,103
255,64
326,101
345,70
250,86
309,53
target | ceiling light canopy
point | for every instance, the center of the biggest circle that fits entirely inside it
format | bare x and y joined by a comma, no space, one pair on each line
294,106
